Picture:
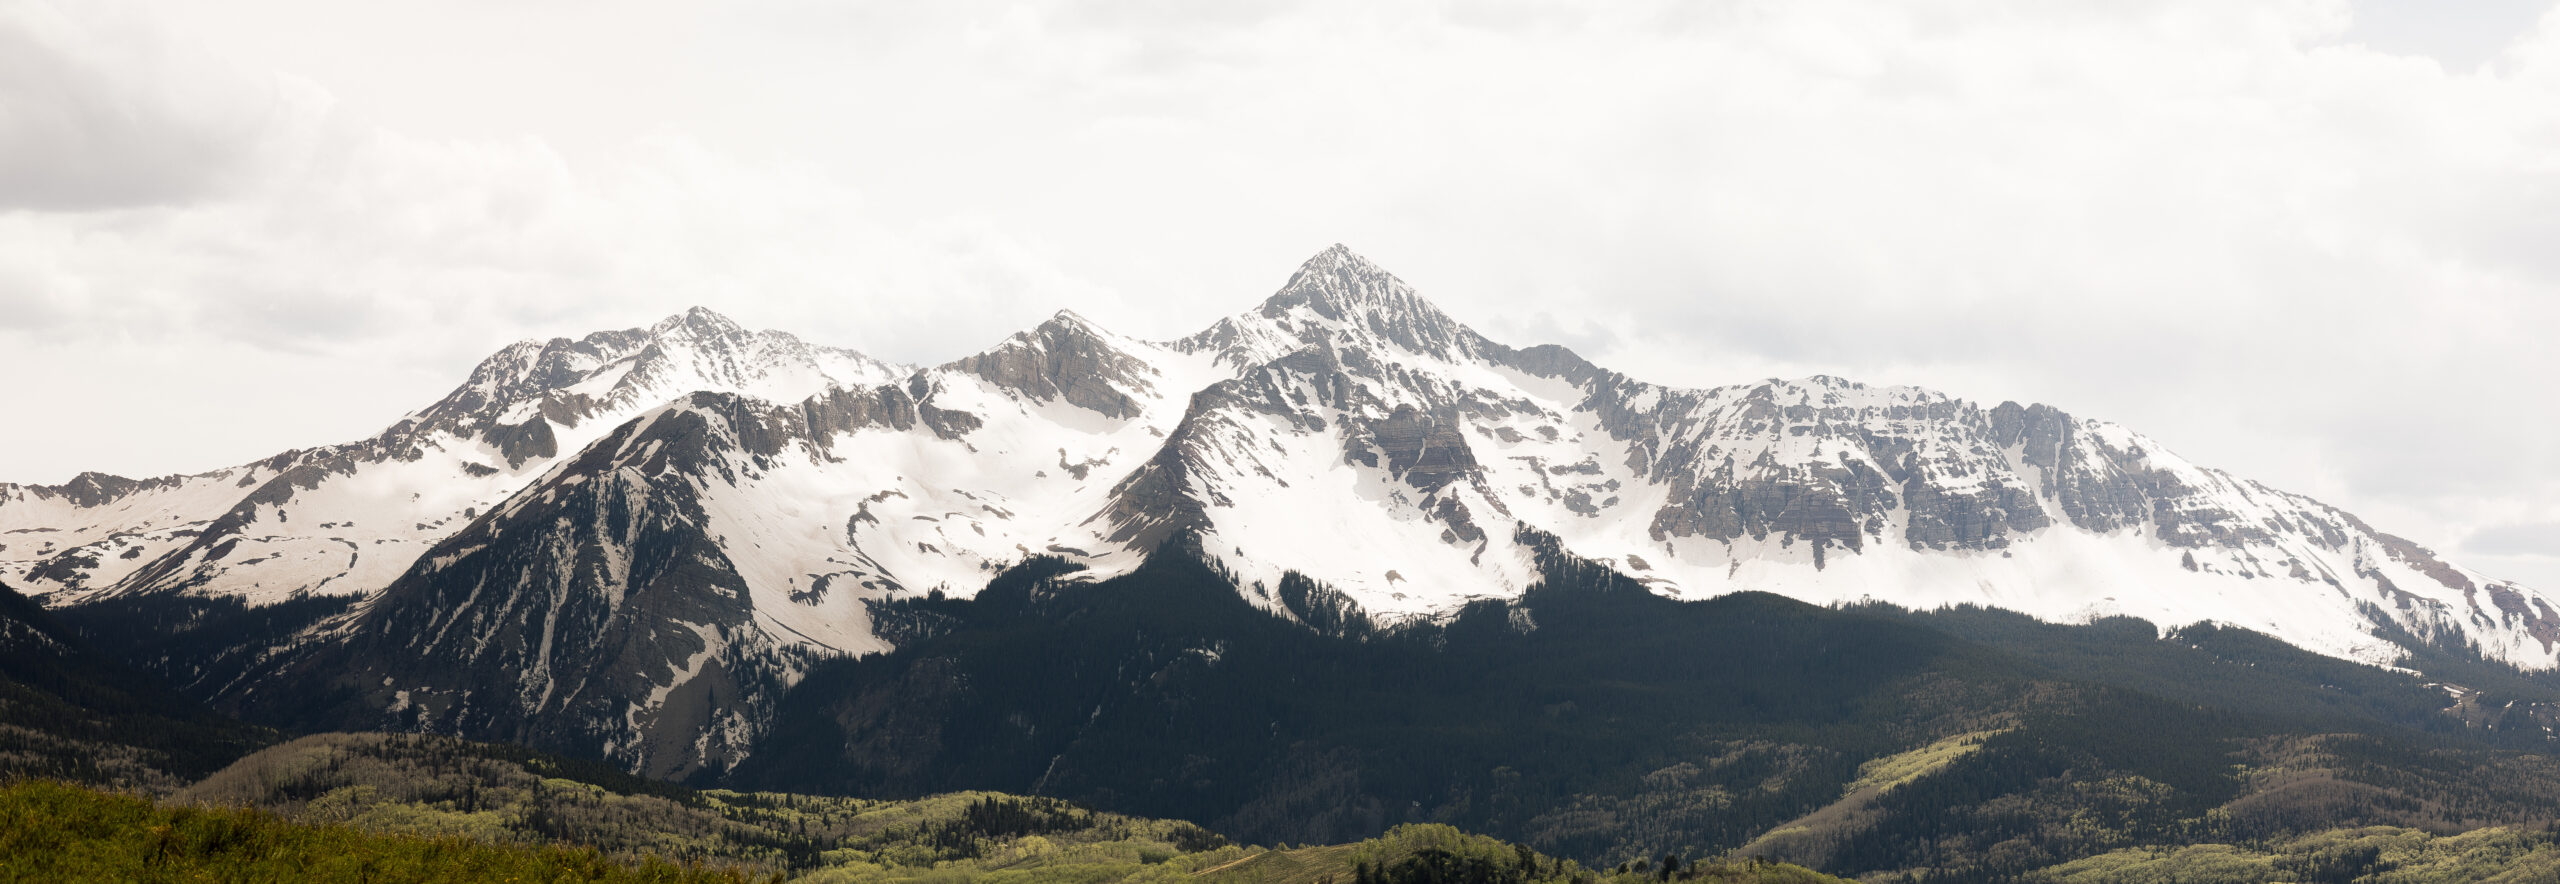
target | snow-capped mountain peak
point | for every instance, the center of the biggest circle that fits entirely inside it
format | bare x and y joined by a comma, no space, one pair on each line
348,518
1339,299
696,322
567,381
1068,358
1338,283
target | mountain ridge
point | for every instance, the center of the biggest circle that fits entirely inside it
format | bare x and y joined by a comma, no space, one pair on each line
523,406
1344,431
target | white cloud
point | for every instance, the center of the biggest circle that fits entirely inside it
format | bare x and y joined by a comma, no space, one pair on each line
101,111
2516,539
2233,226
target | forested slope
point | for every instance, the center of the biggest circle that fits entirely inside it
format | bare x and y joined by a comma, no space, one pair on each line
66,711
1594,720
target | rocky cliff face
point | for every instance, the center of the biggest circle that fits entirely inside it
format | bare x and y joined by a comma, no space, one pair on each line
1067,360
592,613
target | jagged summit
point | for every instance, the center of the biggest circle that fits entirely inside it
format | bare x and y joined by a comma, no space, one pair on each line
1340,285
1066,325
1339,254
1059,329
696,321
1068,358
1336,299
1337,262
618,372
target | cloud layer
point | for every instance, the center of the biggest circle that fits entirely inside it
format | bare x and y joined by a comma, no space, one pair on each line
2233,226
103,114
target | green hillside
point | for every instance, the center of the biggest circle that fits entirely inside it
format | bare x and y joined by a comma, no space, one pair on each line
376,807
51,831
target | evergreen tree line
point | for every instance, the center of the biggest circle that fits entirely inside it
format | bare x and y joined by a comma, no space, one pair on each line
1596,720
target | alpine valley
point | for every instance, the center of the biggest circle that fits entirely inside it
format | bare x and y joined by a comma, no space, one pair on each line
1334,564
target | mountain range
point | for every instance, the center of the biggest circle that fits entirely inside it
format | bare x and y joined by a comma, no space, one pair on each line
633,544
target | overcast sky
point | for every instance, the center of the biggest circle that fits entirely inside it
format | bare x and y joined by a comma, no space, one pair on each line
2315,243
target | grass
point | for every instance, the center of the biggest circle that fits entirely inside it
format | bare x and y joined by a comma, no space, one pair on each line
51,831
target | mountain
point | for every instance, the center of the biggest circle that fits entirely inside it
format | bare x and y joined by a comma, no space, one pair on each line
347,519
1820,489
653,595
634,544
